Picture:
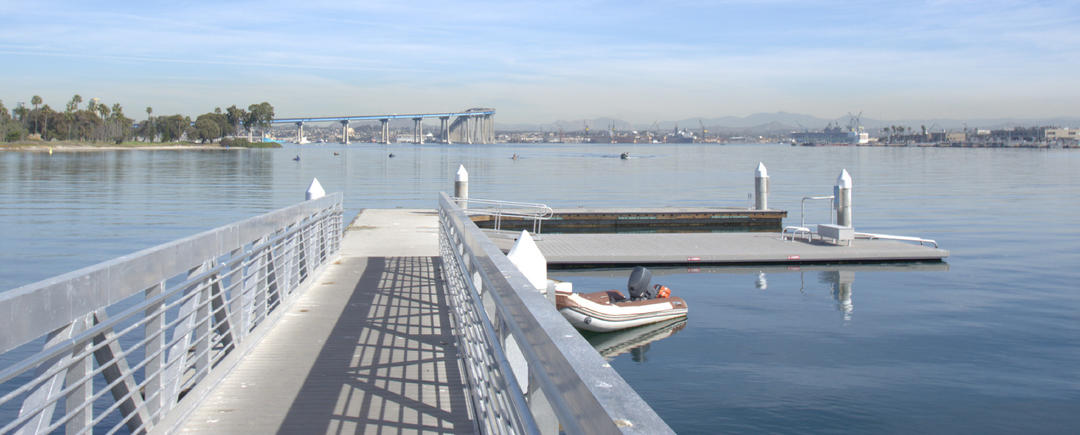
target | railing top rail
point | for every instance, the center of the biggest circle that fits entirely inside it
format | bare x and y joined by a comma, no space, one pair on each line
802,207
919,240
586,392
36,309
505,208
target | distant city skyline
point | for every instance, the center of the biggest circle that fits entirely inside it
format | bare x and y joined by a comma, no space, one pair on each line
540,62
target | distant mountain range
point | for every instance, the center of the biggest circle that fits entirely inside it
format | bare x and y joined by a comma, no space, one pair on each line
783,122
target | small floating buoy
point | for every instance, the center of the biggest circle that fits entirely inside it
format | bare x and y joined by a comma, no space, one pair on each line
50,151
391,155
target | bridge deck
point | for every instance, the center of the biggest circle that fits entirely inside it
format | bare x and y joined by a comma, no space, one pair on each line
368,348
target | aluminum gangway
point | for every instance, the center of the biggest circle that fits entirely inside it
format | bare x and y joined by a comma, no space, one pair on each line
406,320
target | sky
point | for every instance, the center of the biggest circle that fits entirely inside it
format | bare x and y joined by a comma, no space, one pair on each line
540,62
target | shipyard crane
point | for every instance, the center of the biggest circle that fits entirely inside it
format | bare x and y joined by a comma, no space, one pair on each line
854,121
704,131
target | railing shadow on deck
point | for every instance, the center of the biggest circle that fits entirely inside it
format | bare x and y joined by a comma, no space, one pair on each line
390,363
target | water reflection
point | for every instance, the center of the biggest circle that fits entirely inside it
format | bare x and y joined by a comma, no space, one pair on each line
841,281
698,288
636,341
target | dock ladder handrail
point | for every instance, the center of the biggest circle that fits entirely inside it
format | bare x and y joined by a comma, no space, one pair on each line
528,369
499,209
919,240
135,343
802,208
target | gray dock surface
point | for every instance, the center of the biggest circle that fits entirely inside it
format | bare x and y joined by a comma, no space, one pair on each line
712,248
367,349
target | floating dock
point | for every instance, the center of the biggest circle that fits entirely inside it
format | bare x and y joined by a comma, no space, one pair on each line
586,250
628,220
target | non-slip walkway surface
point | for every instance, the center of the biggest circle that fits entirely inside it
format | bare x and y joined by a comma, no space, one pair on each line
367,349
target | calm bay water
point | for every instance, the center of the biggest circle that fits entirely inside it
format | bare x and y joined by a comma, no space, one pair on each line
987,342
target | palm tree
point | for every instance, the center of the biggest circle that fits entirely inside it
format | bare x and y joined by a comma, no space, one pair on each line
72,106
104,111
36,101
150,119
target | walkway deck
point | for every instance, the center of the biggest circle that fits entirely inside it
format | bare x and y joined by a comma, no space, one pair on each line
367,349
714,248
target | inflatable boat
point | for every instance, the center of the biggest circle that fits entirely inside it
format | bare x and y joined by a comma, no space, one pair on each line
610,310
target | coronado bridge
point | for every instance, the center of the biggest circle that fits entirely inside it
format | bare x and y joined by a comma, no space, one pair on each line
471,126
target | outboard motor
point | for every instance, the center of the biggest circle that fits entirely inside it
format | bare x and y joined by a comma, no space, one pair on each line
638,285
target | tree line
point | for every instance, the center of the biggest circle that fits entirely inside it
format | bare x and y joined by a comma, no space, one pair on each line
100,122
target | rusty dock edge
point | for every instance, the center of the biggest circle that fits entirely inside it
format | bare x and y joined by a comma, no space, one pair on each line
669,219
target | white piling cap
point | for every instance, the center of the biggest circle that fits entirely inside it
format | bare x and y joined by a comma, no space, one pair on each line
844,180
315,190
761,172
529,260
462,174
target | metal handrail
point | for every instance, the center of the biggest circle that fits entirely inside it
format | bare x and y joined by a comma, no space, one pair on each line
537,212
522,356
920,240
802,208
156,328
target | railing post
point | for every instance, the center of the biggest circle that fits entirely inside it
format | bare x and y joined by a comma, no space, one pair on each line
46,394
154,331
541,409
202,326
80,391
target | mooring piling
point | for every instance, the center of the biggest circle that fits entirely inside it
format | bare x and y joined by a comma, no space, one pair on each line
842,193
761,187
461,187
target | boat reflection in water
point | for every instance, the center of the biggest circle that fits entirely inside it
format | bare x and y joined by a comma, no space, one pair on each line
633,340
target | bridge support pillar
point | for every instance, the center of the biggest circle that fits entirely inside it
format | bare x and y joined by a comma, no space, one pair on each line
345,132
489,129
385,123
299,132
418,130
444,129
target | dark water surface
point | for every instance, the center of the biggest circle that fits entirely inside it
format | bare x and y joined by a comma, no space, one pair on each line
987,342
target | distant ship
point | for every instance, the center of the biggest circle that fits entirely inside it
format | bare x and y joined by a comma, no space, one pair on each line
831,135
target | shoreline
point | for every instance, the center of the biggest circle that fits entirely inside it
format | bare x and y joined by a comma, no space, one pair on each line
36,146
